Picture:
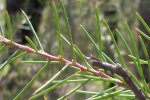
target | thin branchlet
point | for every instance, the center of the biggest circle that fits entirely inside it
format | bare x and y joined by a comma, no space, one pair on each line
6,42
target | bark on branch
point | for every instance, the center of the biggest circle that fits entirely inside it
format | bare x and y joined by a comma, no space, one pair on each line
117,69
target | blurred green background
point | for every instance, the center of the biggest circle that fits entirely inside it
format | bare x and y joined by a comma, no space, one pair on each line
80,12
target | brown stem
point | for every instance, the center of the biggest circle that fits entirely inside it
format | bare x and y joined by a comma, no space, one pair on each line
117,69
55,58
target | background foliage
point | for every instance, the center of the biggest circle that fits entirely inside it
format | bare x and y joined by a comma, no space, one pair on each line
81,17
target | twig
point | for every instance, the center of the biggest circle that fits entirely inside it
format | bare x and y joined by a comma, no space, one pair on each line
60,59
117,69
